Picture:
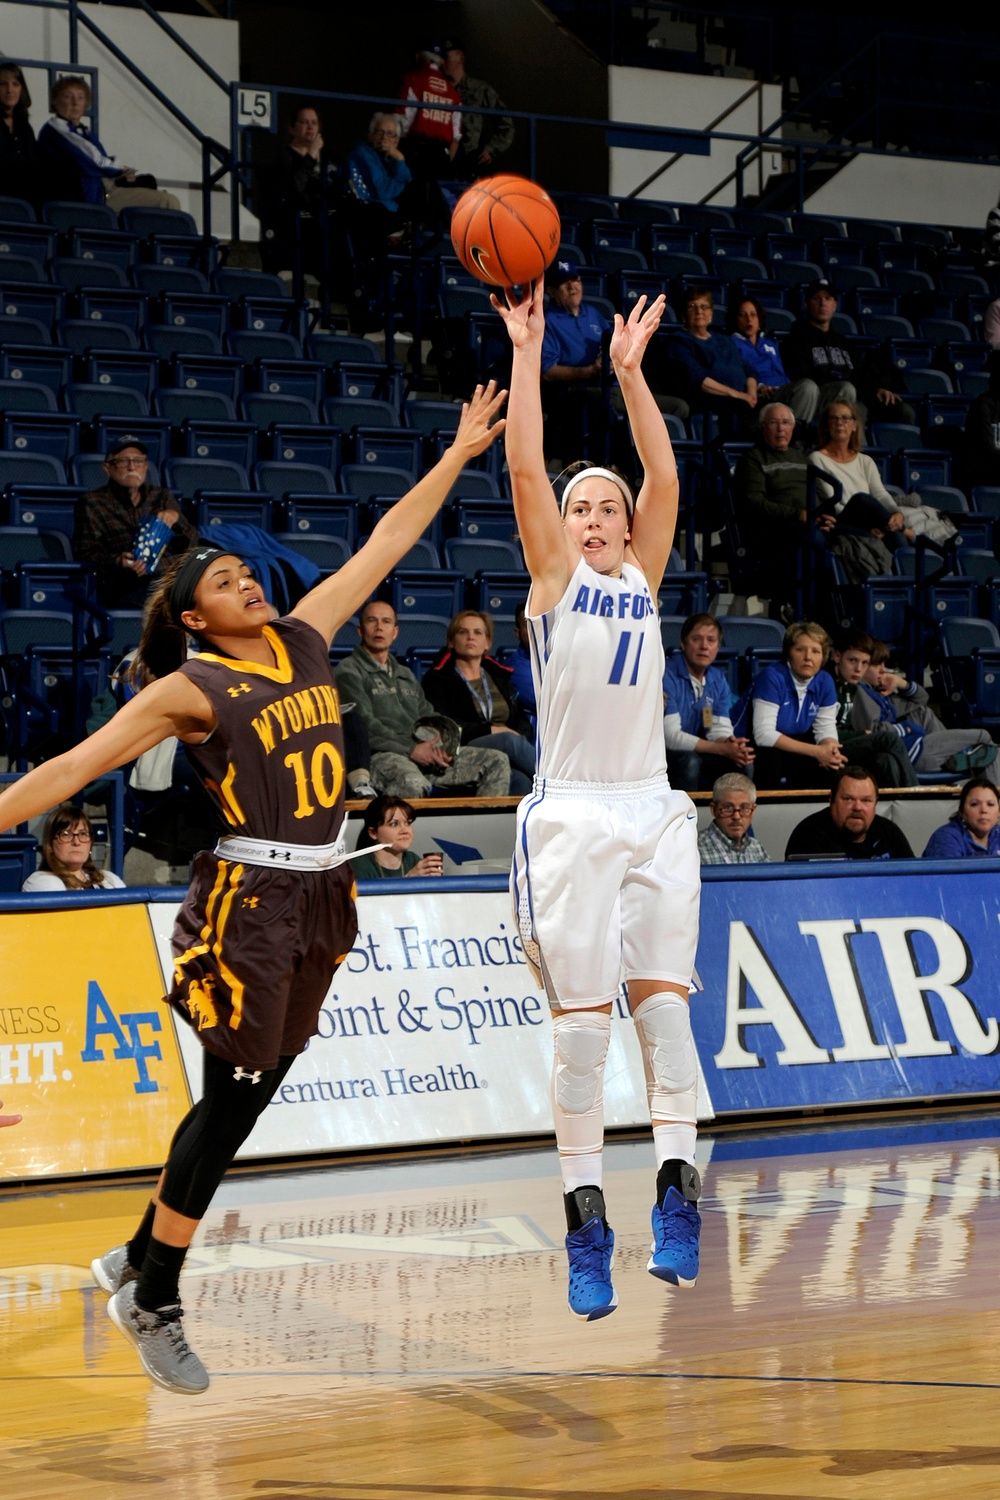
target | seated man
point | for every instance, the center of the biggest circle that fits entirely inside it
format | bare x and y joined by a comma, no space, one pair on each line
876,746
889,698
697,697
571,362
850,827
409,753
815,351
112,522
729,839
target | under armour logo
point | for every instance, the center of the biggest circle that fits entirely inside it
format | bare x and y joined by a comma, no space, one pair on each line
253,1077
252,902
235,692
284,854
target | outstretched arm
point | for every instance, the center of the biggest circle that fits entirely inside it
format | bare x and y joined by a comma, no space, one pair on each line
332,603
655,518
172,706
547,552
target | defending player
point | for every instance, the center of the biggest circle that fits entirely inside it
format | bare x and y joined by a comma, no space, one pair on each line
270,914
605,878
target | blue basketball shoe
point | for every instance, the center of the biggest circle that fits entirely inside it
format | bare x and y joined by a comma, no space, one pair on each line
591,1251
677,1231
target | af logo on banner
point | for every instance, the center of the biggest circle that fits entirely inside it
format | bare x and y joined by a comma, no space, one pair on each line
88,1052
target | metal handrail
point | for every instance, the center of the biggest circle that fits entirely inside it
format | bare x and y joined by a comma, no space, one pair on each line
755,88
182,43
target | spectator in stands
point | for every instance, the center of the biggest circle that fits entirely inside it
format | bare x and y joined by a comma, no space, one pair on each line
761,357
571,362
414,750
20,167
389,821
850,827
890,698
991,323
113,522
982,431
375,208
67,856
430,134
863,504
815,351
78,165
299,200
711,371
874,745
485,138
473,688
973,830
729,839
794,707
770,485
697,700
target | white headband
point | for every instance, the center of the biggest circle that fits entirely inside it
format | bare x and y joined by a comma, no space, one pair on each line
616,480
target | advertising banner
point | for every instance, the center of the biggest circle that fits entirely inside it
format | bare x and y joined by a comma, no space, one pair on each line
88,1055
433,1030
842,987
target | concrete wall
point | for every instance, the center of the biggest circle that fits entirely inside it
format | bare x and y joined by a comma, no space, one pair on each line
910,191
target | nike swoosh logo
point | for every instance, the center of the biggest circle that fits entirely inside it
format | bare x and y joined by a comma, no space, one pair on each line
691,815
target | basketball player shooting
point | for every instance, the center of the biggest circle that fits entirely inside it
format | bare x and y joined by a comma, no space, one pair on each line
605,880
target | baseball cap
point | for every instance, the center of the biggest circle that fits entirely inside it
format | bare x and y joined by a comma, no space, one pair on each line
560,271
821,284
119,444
433,51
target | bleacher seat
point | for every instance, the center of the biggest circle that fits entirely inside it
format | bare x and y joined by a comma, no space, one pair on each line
69,272
48,507
25,241
207,372
16,211
500,593
25,544
89,401
134,368
470,555
146,221
392,446
167,340
17,330
18,853
26,395
896,435
54,433
307,445
475,484
484,520
34,300
195,310
986,499
279,479
431,591
157,279
431,417
21,628
328,552
302,378
187,476
182,404
332,516
228,442
265,410
422,556
250,345
55,585
81,335
233,507
240,281
348,412
332,349
422,631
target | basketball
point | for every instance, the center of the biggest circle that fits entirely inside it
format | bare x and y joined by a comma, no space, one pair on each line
505,230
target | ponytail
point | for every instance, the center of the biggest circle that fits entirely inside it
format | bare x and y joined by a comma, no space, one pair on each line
163,646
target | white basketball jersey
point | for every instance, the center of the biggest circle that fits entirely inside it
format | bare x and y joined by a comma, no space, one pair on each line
597,662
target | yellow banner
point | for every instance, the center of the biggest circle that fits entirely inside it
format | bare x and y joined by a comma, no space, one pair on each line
88,1050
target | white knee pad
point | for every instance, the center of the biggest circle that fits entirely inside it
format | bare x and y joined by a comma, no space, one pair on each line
581,1046
663,1025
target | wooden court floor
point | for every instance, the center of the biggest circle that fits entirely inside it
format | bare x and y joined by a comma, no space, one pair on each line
399,1331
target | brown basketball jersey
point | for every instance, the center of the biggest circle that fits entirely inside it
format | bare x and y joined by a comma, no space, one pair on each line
275,761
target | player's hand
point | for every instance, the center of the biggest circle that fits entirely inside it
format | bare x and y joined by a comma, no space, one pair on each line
525,319
630,337
477,428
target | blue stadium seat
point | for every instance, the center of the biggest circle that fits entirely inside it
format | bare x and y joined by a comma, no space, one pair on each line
182,404
470,555
18,853
429,417
145,221
266,411
885,326
242,281
80,335
986,499
434,591
207,372
917,467
89,401
233,507
750,633
25,331
16,211
26,395
188,476
249,345
979,564
683,593
944,331
22,628
484,520
422,631
166,340
195,310
944,412
385,445
307,445
155,279
105,246
896,435
50,507
276,315
475,484
302,378
278,479
380,505
26,544
500,592
41,432
328,552
71,273
943,596
32,300
347,412
332,516
134,368
24,241
57,587
332,349
423,556
367,382
928,383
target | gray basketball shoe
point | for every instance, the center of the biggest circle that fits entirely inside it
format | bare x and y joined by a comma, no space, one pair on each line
111,1270
159,1338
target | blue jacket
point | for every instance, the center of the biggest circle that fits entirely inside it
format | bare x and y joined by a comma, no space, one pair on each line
677,686
775,685
376,178
572,341
285,575
77,164
954,841
761,359
695,359
910,733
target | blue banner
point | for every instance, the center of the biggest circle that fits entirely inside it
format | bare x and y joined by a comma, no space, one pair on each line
848,984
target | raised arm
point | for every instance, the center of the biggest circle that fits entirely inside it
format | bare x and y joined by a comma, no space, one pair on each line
548,555
655,517
172,706
332,603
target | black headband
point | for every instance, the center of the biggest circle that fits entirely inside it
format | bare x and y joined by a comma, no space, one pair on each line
189,575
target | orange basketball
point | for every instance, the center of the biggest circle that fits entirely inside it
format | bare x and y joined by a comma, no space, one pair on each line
505,230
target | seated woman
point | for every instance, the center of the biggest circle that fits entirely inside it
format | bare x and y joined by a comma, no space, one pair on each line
299,198
468,685
973,831
67,862
709,366
795,714
19,166
77,166
760,355
864,504
389,820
